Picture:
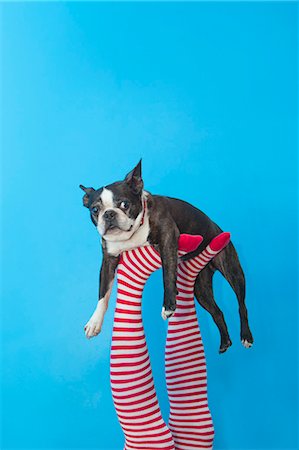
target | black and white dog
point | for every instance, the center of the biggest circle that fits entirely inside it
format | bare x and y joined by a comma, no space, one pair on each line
127,217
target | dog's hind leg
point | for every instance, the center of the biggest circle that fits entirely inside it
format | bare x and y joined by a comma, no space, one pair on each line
227,262
203,291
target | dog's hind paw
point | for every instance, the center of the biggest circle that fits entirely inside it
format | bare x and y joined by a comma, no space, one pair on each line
224,346
166,313
246,343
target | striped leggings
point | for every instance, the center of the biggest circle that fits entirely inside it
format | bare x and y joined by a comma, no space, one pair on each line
190,423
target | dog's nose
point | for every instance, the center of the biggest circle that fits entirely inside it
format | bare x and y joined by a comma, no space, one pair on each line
109,214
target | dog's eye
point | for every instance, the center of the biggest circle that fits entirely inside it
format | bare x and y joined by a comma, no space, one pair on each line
124,204
94,210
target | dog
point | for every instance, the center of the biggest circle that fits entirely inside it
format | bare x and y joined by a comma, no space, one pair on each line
127,216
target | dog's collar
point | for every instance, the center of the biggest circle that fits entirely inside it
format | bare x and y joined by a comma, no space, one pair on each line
143,215
142,218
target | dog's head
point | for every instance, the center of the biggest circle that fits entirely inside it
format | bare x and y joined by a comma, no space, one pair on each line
117,209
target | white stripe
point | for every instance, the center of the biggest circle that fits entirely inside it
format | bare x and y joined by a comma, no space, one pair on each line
143,419
131,407
188,360
137,398
130,414
178,354
185,288
202,401
128,325
151,258
186,384
151,266
182,342
178,373
176,336
140,276
121,296
129,377
202,437
138,286
128,307
143,267
131,360
137,427
205,418
186,380
130,368
129,290
184,325
116,385
121,315
136,391
129,351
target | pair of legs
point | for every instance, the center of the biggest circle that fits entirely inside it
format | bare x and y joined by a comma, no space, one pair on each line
134,395
227,262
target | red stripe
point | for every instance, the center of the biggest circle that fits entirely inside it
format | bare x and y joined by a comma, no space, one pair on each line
149,262
180,344
127,364
154,254
182,329
129,330
156,427
127,311
141,416
135,274
129,277
179,322
128,347
128,302
121,320
117,397
128,294
138,267
135,402
175,338
128,285
134,386
129,355
180,368
186,381
131,372
141,408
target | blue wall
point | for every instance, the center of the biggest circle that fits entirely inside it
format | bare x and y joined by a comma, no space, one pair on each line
206,94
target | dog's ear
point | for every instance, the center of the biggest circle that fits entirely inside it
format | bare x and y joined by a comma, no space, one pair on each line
134,179
86,197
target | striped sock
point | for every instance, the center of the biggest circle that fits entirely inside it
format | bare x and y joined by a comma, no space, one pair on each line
190,419
132,382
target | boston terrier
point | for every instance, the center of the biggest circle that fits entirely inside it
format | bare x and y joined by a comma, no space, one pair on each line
127,216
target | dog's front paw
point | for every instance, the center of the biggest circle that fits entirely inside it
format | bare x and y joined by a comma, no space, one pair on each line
94,325
165,313
92,328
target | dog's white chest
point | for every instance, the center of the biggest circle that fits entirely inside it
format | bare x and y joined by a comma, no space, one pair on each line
138,239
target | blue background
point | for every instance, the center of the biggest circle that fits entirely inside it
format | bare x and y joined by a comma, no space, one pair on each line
206,94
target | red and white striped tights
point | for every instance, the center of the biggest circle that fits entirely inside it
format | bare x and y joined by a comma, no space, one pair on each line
190,423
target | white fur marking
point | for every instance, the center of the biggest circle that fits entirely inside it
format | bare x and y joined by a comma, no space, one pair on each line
107,198
246,343
166,314
94,325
